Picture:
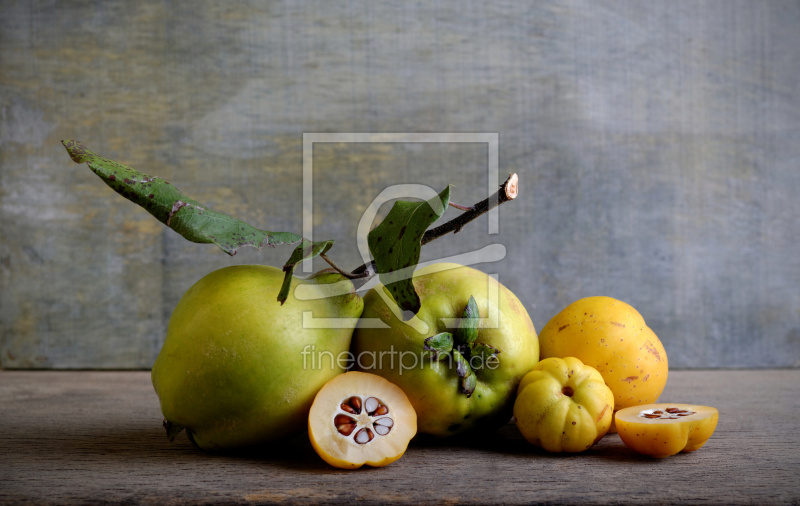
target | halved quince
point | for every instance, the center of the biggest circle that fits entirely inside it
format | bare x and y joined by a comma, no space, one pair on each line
563,405
359,418
661,430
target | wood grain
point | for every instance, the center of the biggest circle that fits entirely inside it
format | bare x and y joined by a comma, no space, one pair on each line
96,437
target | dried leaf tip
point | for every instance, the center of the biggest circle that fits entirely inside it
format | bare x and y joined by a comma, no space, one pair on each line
77,151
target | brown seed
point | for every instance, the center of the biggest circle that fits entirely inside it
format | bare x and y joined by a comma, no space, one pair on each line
658,412
343,420
382,410
651,415
673,410
348,408
346,429
355,402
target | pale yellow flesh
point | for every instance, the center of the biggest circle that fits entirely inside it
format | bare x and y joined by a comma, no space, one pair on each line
342,451
662,438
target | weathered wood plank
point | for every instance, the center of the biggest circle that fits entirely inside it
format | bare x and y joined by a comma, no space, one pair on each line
86,437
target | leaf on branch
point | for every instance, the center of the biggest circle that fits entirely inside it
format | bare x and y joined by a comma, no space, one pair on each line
189,218
395,245
305,250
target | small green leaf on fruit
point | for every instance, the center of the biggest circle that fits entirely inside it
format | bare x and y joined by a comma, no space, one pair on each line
462,366
482,354
395,245
439,345
195,222
468,384
304,251
173,429
467,331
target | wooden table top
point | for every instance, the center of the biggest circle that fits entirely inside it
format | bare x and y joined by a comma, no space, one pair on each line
86,437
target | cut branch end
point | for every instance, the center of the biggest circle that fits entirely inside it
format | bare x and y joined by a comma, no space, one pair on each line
511,187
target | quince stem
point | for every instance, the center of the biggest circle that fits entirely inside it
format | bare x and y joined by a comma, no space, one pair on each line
343,272
509,190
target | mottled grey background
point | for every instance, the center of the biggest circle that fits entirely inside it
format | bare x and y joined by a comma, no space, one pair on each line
657,145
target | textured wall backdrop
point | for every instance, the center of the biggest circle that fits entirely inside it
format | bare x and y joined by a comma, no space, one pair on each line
657,144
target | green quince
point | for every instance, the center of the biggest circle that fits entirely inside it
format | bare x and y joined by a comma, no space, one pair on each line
460,358
237,368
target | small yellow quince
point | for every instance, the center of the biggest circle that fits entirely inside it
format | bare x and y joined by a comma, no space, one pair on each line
563,405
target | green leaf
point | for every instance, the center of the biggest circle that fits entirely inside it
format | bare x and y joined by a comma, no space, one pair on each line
468,384
468,381
467,331
462,366
189,218
481,354
440,345
464,371
305,250
395,245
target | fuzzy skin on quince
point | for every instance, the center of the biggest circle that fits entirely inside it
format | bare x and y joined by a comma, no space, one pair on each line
232,369
432,386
